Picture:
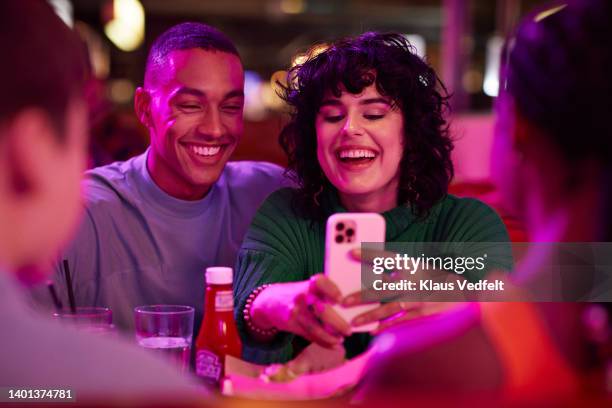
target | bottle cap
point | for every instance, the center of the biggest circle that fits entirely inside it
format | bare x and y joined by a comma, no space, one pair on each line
219,275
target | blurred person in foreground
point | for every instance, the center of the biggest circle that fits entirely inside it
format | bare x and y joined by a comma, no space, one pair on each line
367,134
554,147
154,223
43,139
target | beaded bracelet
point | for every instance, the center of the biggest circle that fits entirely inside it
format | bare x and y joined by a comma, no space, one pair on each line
261,334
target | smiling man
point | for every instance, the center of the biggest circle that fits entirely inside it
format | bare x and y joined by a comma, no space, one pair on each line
155,222
192,105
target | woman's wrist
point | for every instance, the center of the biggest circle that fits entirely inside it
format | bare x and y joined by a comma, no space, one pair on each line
272,307
256,318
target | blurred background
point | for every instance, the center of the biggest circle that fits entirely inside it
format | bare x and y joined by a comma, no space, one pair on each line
461,39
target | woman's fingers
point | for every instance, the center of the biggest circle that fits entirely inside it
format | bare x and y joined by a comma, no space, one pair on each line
379,313
321,286
314,332
371,295
330,319
310,326
384,311
313,316
397,319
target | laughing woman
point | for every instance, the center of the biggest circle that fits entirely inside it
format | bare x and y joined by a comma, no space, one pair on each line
367,134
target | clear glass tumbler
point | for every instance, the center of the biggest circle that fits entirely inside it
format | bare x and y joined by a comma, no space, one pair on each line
93,319
168,329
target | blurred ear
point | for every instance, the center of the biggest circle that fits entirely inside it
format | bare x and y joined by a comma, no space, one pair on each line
142,106
30,142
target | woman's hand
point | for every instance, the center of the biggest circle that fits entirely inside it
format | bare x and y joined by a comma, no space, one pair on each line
303,308
390,314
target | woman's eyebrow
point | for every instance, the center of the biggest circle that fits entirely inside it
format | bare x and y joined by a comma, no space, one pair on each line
370,101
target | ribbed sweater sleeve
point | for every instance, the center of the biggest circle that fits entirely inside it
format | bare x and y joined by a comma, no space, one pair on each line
272,251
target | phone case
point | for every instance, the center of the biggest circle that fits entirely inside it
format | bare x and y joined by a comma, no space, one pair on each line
345,232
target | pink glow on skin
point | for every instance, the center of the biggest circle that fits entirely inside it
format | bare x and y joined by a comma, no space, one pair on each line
365,121
42,216
196,103
505,160
533,177
518,177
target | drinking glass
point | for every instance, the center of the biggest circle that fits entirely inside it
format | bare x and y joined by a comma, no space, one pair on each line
93,319
168,329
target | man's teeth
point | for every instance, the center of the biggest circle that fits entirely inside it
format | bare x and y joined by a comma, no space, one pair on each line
205,151
357,154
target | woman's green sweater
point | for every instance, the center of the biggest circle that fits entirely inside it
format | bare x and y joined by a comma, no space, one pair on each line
281,246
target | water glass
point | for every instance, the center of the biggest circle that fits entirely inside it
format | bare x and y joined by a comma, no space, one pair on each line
167,329
93,319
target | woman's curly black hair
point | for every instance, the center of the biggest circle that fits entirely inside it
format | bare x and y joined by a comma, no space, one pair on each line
389,62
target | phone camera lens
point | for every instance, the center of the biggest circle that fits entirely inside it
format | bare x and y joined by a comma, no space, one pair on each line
339,226
339,239
350,232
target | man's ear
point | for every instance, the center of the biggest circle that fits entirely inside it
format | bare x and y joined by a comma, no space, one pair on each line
29,138
142,106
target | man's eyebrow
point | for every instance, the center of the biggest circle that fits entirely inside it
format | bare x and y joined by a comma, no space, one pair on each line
189,91
184,90
234,94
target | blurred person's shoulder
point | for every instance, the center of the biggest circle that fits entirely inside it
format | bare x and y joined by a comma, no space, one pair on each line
446,351
128,370
44,353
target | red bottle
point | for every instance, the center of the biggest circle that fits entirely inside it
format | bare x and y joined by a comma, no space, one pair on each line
218,336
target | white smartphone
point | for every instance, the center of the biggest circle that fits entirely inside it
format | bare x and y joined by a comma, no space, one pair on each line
345,232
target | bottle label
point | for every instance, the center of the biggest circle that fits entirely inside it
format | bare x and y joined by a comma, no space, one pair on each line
208,366
224,301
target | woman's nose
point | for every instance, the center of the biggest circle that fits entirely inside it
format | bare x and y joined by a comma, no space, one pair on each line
352,126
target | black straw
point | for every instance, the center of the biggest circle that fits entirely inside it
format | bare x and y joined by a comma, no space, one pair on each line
56,301
69,285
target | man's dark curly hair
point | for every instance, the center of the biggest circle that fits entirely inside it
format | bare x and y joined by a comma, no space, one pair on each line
389,62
